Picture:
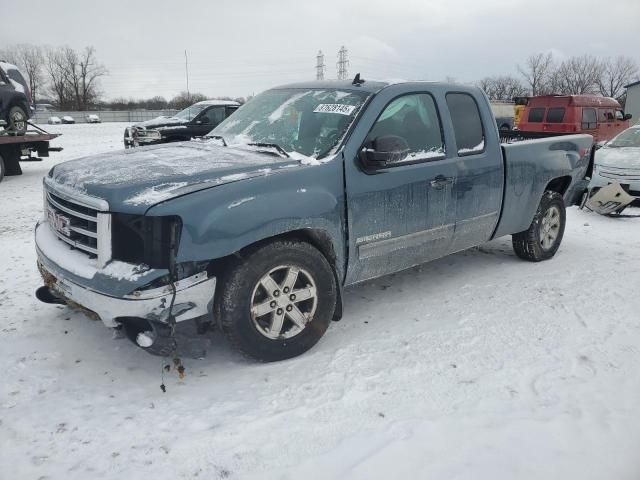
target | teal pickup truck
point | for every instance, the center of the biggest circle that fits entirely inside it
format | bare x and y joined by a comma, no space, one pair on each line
307,188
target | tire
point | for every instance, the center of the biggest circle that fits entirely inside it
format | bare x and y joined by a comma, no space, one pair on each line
267,332
543,237
2,169
17,120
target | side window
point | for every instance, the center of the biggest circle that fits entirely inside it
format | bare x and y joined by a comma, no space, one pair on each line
411,119
589,118
536,115
619,115
605,115
213,116
555,115
467,125
229,110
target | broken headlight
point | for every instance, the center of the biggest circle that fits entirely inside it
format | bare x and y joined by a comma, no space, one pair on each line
141,239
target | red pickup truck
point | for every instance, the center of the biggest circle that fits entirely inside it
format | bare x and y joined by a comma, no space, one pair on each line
601,117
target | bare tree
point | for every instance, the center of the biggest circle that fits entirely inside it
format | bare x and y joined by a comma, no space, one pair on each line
537,71
89,72
55,65
579,75
74,76
502,88
616,73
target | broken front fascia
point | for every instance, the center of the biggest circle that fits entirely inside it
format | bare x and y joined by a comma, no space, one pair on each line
193,298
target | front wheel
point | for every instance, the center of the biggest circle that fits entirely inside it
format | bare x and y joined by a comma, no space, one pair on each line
543,237
278,301
17,121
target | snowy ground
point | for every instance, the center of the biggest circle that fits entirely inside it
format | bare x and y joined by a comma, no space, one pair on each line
477,366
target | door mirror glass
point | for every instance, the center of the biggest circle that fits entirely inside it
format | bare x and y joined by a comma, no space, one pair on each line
627,116
383,151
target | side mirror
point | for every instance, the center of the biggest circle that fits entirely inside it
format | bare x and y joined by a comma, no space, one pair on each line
599,145
627,116
383,151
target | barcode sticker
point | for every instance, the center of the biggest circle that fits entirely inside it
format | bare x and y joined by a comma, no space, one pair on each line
335,108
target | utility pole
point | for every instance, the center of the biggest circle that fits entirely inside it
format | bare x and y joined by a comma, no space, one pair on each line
186,68
343,64
320,66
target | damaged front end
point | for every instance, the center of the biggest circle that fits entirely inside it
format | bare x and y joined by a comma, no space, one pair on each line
121,269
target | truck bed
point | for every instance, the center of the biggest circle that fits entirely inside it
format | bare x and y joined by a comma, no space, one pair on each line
530,165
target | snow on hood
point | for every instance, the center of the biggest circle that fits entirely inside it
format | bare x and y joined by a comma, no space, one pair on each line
161,122
622,157
141,177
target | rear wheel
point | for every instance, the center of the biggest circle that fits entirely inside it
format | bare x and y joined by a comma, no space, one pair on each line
278,302
1,168
17,120
543,237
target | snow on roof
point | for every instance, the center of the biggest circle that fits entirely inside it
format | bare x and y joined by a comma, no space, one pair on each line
218,102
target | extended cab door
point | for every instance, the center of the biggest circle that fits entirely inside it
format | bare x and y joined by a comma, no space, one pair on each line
399,214
479,170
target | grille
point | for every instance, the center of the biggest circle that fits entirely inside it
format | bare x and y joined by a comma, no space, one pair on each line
630,175
73,223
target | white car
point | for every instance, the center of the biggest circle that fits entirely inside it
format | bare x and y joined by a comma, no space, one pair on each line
54,121
92,118
617,166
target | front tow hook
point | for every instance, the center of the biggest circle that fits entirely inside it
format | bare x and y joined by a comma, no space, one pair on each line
44,294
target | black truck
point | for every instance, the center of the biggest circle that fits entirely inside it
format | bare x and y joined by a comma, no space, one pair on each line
194,121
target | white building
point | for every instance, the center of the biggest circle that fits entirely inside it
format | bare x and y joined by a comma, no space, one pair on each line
632,104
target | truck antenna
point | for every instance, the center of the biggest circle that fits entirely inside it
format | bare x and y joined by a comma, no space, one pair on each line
357,81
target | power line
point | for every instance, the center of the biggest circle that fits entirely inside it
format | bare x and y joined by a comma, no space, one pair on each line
342,64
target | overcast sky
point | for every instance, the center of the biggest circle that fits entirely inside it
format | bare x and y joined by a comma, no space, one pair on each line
242,47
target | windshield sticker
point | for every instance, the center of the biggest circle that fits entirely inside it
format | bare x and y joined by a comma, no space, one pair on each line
335,108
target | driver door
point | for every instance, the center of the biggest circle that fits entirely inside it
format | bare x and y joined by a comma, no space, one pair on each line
207,121
401,214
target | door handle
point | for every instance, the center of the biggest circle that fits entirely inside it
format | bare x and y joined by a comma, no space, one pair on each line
441,181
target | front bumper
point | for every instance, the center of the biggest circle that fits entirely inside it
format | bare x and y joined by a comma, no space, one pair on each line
628,179
193,295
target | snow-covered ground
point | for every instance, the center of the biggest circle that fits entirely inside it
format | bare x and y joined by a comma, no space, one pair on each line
476,366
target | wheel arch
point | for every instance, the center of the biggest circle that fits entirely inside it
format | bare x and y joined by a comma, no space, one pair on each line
559,184
318,238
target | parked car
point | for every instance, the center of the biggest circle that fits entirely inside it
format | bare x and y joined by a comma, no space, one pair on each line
194,121
92,118
54,120
617,164
504,113
600,117
68,119
15,99
306,189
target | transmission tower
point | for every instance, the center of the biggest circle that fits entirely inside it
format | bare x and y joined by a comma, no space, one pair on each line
343,64
320,66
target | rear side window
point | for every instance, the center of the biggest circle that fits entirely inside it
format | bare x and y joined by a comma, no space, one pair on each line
467,125
536,115
555,115
589,118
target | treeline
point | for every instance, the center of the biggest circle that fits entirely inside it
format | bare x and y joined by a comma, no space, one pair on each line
541,74
180,101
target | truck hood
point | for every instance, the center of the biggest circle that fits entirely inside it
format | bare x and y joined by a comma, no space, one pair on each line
161,122
622,157
133,180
